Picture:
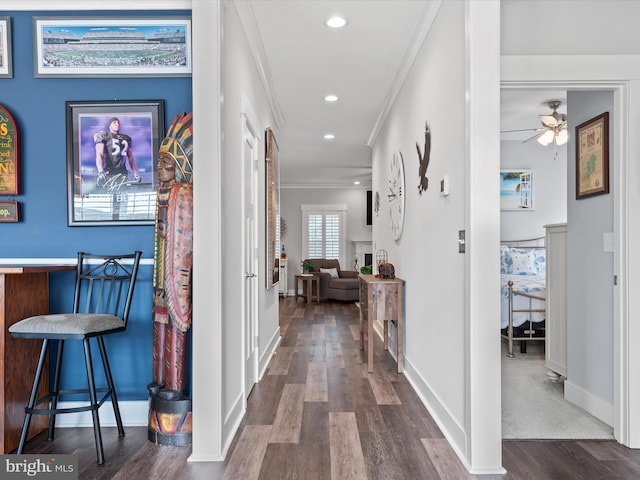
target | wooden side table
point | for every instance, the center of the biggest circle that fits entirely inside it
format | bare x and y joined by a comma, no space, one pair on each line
381,299
24,292
307,287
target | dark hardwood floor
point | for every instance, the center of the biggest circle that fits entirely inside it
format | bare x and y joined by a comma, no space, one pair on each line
317,414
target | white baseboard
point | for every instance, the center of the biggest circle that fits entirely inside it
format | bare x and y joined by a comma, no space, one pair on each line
451,429
134,414
232,423
589,402
268,353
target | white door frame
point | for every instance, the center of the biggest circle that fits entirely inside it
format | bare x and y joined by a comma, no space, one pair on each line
621,352
250,263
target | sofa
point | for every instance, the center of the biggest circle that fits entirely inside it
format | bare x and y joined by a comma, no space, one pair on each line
345,287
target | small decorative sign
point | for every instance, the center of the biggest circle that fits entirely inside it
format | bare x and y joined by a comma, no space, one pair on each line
8,211
9,158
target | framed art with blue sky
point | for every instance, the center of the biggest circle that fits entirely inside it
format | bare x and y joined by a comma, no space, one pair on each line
516,189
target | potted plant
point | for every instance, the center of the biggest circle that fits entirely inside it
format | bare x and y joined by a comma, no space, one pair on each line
308,266
366,270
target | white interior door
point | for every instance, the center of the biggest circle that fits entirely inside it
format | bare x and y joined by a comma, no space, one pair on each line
250,149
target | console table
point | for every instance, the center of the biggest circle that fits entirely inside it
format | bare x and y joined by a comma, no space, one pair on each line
24,292
307,280
381,299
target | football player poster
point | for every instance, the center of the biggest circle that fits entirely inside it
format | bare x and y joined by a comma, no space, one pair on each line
113,163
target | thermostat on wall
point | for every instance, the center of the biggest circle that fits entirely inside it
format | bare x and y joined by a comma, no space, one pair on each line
444,186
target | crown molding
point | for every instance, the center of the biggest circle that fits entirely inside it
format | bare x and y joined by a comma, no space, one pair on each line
61,5
420,33
256,45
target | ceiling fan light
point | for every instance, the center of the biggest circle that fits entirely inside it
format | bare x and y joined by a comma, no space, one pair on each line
562,137
335,22
548,120
546,138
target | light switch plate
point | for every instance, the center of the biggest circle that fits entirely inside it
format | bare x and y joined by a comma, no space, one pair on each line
444,186
607,242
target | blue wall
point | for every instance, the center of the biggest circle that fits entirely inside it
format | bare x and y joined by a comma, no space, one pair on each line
38,106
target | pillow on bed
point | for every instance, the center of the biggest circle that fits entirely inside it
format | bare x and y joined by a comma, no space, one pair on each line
540,262
505,259
523,261
331,271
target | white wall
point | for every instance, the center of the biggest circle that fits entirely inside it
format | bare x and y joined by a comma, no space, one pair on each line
239,77
589,268
549,188
290,201
440,318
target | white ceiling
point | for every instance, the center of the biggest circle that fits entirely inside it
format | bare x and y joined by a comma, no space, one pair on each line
308,60
361,63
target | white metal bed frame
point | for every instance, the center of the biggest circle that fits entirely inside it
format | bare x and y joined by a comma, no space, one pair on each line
530,332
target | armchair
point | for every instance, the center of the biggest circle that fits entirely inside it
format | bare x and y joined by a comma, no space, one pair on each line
346,287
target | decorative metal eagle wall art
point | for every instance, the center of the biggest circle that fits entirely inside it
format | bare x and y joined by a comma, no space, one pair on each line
423,159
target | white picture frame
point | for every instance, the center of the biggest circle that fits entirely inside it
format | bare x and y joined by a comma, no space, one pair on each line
6,62
516,190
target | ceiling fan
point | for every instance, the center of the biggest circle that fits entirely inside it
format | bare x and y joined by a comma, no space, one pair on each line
554,127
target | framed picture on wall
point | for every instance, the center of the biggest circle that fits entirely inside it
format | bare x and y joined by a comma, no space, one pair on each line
516,189
9,211
6,69
112,47
592,157
112,151
272,188
9,154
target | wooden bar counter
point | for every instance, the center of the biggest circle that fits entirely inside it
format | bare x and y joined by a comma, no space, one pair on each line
24,292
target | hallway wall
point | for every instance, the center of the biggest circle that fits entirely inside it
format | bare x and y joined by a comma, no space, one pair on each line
239,78
590,347
439,346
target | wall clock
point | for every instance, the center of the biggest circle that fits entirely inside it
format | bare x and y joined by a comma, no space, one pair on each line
396,195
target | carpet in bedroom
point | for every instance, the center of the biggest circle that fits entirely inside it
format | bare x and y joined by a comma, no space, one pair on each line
533,407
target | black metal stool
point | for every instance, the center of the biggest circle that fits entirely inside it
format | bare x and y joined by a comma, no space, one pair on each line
102,300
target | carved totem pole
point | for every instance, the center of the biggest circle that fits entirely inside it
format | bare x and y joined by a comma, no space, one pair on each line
169,405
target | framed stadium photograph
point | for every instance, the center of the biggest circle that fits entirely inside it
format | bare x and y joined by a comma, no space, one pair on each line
112,47
112,151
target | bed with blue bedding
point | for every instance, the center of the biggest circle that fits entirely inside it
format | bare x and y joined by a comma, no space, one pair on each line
522,294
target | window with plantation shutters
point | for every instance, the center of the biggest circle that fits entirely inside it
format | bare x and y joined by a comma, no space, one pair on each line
323,231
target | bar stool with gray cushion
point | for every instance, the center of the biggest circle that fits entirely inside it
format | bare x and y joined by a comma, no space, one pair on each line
102,300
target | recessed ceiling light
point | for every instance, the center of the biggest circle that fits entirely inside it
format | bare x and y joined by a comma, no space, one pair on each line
329,136
336,22
331,98
356,182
